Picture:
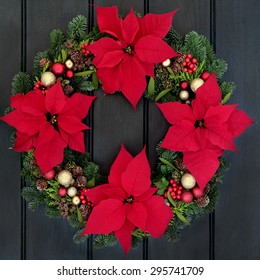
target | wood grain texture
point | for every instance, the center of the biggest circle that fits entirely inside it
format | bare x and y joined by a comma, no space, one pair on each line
49,238
116,123
237,214
192,15
10,215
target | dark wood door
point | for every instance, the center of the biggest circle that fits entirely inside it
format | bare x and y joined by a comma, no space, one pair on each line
233,231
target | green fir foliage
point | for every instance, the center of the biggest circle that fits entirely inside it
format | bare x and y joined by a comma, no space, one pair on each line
77,28
22,83
105,240
174,39
78,238
36,66
34,197
57,39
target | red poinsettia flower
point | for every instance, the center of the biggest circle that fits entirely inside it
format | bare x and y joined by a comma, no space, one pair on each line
127,201
49,123
123,61
203,130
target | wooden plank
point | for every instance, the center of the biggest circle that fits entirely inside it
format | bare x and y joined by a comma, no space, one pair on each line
194,244
10,38
116,123
49,238
237,215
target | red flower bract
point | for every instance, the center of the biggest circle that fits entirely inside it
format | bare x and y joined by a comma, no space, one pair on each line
125,60
128,201
203,130
49,124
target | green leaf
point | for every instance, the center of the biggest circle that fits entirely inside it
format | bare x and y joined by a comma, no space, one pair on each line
182,218
161,191
95,80
171,199
166,162
80,219
151,86
165,182
226,98
91,183
170,71
64,55
162,93
84,73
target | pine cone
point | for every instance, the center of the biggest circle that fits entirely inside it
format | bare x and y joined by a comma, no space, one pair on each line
81,181
78,59
176,68
69,44
77,171
45,61
85,211
207,189
68,89
180,164
57,169
176,176
69,166
203,201
41,184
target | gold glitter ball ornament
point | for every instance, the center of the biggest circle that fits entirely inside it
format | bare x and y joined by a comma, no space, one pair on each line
48,79
188,181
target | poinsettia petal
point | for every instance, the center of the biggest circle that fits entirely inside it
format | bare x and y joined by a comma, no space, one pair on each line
50,154
108,21
115,192
153,49
33,100
76,142
109,215
156,24
218,114
104,75
137,214
158,216
111,59
133,82
46,135
130,27
24,122
118,167
175,112
78,105
136,178
181,137
124,235
238,122
23,142
146,195
70,124
55,99
202,164
209,93
97,194
148,67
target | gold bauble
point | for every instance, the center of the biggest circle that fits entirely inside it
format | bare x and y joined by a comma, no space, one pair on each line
196,83
72,191
184,95
65,178
166,63
48,79
76,200
69,63
188,181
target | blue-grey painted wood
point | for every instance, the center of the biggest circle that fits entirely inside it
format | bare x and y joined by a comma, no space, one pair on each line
10,58
238,215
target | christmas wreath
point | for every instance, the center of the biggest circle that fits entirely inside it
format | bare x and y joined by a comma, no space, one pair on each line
133,55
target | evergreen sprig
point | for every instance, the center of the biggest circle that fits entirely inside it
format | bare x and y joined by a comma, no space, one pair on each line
77,28
22,83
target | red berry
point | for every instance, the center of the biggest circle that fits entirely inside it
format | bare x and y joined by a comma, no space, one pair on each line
184,63
82,196
187,197
175,189
194,69
58,68
170,189
179,188
178,196
69,74
194,60
62,191
165,195
179,192
84,190
171,181
50,174
190,71
185,70
191,66
204,76
189,55
197,192
174,184
184,85
83,201
187,60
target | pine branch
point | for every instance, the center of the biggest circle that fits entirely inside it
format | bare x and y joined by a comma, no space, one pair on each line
77,28
78,238
36,66
104,240
57,39
22,83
